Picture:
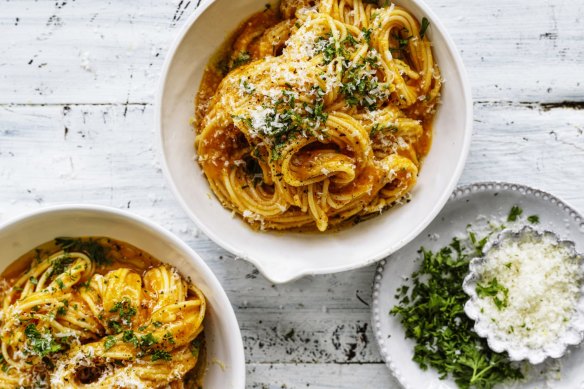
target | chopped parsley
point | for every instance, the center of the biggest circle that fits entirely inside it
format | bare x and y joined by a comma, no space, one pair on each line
130,337
3,364
533,219
493,289
360,85
327,46
241,59
60,283
41,344
125,310
110,341
59,264
432,314
478,244
514,213
286,118
147,341
33,280
168,338
93,249
195,347
115,326
62,310
367,34
377,128
161,355
402,38
424,27
246,87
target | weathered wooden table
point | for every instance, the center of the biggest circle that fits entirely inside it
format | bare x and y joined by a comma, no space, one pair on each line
77,80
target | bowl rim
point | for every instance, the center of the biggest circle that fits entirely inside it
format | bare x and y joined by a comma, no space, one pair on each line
280,277
239,372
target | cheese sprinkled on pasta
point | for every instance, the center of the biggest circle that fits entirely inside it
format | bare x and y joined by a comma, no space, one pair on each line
97,313
316,115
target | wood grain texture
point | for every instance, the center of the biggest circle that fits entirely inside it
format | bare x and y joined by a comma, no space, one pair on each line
77,80
277,376
111,52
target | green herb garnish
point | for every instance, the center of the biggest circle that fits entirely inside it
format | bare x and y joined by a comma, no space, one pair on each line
241,59
195,347
493,289
125,310
59,264
130,337
425,25
41,344
110,341
285,118
326,45
115,326
478,244
367,34
3,363
161,355
94,250
432,313
147,341
514,213
168,338
533,219
62,310
379,129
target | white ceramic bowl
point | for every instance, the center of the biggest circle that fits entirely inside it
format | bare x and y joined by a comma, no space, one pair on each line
284,256
222,331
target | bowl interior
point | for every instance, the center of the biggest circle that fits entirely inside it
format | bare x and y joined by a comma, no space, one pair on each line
283,256
221,330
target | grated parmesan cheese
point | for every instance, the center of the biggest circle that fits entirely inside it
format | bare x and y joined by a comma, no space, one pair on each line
542,280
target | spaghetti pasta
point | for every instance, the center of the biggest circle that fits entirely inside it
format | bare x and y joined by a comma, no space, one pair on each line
318,114
95,313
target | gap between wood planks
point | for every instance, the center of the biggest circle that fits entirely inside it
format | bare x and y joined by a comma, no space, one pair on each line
545,106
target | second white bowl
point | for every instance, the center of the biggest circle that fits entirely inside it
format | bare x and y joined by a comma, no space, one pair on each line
225,358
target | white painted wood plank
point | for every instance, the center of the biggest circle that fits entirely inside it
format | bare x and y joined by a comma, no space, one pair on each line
111,52
85,51
275,376
542,148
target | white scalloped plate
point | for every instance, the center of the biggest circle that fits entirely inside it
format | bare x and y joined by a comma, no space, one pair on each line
472,204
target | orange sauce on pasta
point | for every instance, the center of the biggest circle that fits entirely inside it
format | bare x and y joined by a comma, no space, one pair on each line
112,254
222,148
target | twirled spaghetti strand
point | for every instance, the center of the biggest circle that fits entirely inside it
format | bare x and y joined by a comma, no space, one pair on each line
320,117
69,322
